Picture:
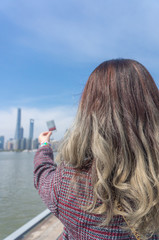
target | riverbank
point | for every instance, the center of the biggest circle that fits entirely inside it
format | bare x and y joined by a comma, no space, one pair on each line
49,229
44,226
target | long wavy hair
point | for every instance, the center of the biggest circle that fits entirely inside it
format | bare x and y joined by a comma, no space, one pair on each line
116,135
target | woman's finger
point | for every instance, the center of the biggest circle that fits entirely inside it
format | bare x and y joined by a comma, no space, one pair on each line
44,133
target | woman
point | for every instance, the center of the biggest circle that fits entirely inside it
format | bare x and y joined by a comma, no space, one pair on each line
107,183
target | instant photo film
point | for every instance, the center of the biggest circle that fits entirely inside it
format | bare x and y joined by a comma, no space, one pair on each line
51,125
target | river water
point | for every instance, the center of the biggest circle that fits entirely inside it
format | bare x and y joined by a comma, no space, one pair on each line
19,200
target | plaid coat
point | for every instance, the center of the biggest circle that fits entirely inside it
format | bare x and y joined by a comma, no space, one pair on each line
53,184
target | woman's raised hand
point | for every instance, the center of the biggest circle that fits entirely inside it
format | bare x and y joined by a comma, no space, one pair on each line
44,137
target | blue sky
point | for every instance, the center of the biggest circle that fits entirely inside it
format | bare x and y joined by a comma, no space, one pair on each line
49,48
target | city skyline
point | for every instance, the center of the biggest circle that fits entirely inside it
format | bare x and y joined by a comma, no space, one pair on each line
19,131
19,142
63,117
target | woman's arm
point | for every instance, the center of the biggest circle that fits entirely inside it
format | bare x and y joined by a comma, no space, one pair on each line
47,177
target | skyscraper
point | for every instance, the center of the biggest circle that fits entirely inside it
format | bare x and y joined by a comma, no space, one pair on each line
21,133
17,137
31,129
18,125
31,133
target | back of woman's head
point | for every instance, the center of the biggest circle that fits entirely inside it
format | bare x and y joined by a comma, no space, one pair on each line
116,131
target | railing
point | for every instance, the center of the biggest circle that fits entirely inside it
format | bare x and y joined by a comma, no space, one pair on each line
19,233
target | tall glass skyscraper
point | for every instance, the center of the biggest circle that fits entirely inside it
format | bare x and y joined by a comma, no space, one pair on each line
18,125
31,129
21,133
31,133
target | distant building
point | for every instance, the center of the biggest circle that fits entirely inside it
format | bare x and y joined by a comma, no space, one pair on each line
23,144
18,125
10,144
31,129
21,133
35,144
29,144
1,142
16,144
31,133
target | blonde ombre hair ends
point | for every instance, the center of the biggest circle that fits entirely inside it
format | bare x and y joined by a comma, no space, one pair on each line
115,135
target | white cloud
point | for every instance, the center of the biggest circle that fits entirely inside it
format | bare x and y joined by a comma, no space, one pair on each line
63,117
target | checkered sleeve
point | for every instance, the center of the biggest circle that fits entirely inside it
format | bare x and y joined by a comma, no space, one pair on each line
47,177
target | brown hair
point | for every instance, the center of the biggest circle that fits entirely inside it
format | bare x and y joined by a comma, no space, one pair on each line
117,128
